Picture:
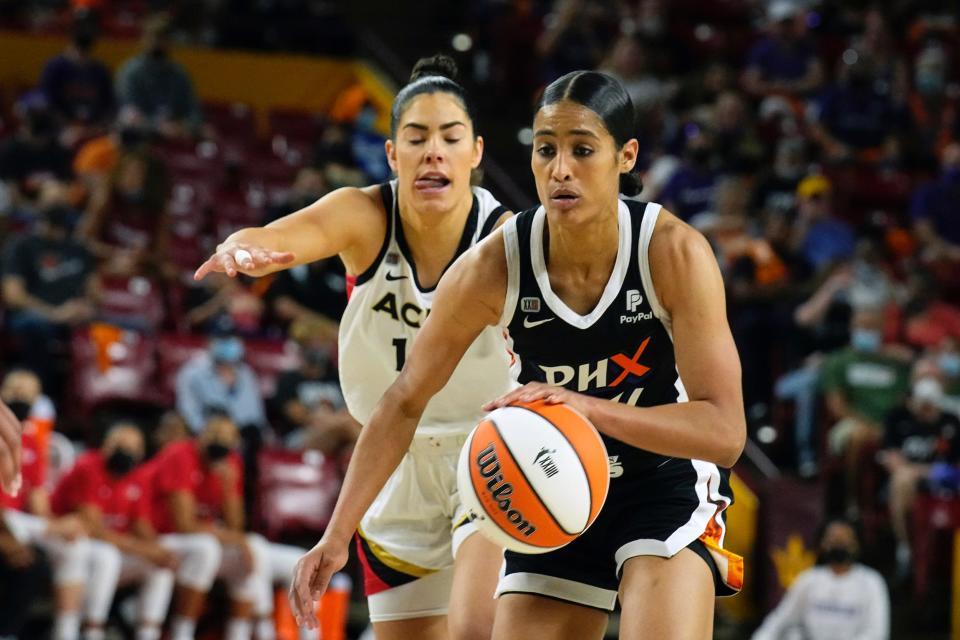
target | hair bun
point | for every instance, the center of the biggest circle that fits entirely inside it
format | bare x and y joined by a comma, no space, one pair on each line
438,65
631,185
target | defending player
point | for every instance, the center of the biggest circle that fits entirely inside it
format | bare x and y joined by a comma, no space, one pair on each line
397,239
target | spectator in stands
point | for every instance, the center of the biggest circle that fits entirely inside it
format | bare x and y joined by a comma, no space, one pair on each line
313,294
334,157
947,361
83,574
777,191
629,62
928,317
49,285
30,158
198,487
127,222
158,88
366,144
225,305
23,574
840,598
738,149
933,209
170,428
691,189
309,186
78,87
97,158
820,237
877,47
861,384
857,120
220,381
110,491
784,62
575,36
22,391
934,110
311,405
917,435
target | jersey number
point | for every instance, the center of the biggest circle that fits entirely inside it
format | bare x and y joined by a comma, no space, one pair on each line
400,344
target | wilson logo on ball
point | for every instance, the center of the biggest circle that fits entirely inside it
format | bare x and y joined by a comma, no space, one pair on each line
499,490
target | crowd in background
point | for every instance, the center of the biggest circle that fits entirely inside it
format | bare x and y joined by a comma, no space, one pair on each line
816,144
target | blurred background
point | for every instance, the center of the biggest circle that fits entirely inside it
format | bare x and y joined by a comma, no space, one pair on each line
816,145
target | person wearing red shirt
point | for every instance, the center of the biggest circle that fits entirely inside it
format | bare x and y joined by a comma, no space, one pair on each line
197,488
108,489
77,566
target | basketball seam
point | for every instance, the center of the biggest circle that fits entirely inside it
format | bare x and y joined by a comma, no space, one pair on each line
586,474
546,507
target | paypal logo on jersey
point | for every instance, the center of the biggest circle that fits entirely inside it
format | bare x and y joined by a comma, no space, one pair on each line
634,300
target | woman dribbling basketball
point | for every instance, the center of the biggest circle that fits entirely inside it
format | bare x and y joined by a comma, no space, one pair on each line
615,308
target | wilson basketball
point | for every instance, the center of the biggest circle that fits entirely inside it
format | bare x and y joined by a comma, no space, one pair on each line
534,476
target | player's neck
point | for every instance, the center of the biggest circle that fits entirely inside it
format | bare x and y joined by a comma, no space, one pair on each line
584,247
433,238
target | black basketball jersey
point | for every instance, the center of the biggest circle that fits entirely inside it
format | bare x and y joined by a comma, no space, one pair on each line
622,350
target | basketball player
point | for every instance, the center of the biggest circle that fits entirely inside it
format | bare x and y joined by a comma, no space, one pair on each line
622,304
424,571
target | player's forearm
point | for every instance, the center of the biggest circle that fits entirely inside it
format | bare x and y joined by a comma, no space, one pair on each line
379,450
699,429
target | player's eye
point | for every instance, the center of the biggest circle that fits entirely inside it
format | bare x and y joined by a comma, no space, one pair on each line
582,151
546,151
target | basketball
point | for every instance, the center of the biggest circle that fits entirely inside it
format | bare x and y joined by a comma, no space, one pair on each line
534,476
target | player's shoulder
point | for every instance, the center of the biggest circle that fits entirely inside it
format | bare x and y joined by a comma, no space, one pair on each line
675,239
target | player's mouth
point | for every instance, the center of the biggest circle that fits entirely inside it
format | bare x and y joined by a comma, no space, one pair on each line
564,198
432,182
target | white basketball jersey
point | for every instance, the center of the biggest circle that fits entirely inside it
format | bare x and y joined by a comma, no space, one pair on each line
386,309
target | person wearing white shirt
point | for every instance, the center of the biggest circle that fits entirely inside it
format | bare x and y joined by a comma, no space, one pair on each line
840,599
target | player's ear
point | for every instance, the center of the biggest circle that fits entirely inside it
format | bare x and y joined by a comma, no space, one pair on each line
628,155
391,151
477,152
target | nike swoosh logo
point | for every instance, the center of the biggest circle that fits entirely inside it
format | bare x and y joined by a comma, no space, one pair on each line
528,324
392,277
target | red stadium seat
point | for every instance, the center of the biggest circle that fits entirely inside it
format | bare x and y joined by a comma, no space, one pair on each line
134,303
110,364
296,491
301,127
232,121
270,358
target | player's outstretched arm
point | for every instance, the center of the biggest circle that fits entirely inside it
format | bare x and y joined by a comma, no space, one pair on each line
468,299
711,426
342,222
9,450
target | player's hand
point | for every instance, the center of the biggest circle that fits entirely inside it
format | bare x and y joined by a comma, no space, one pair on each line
68,527
311,577
10,429
542,392
163,557
252,260
17,555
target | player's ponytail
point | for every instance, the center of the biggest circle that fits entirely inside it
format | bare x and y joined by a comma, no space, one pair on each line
605,96
433,74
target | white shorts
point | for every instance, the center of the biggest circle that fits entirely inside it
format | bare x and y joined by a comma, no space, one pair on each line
408,538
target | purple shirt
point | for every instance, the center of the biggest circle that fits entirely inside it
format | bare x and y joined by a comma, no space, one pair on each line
79,91
937,203
779,61
689,191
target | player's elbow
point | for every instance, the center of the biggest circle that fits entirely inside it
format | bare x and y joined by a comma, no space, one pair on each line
733,443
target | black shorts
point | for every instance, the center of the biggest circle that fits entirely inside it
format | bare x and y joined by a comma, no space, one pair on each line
658,512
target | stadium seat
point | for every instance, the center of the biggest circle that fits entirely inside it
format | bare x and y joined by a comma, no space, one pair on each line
111,364
134,303
270,358
296,491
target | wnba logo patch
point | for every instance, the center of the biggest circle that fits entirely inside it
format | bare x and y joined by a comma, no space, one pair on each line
530,305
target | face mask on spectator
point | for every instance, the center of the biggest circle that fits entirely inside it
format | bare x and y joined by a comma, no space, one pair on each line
20,409
930,83
121,462
866,340
217,451
227,350
949,364
83,41
837,555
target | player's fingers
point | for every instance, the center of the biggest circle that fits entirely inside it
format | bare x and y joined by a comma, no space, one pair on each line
8,472
305,597
228,263
208,267
282,257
